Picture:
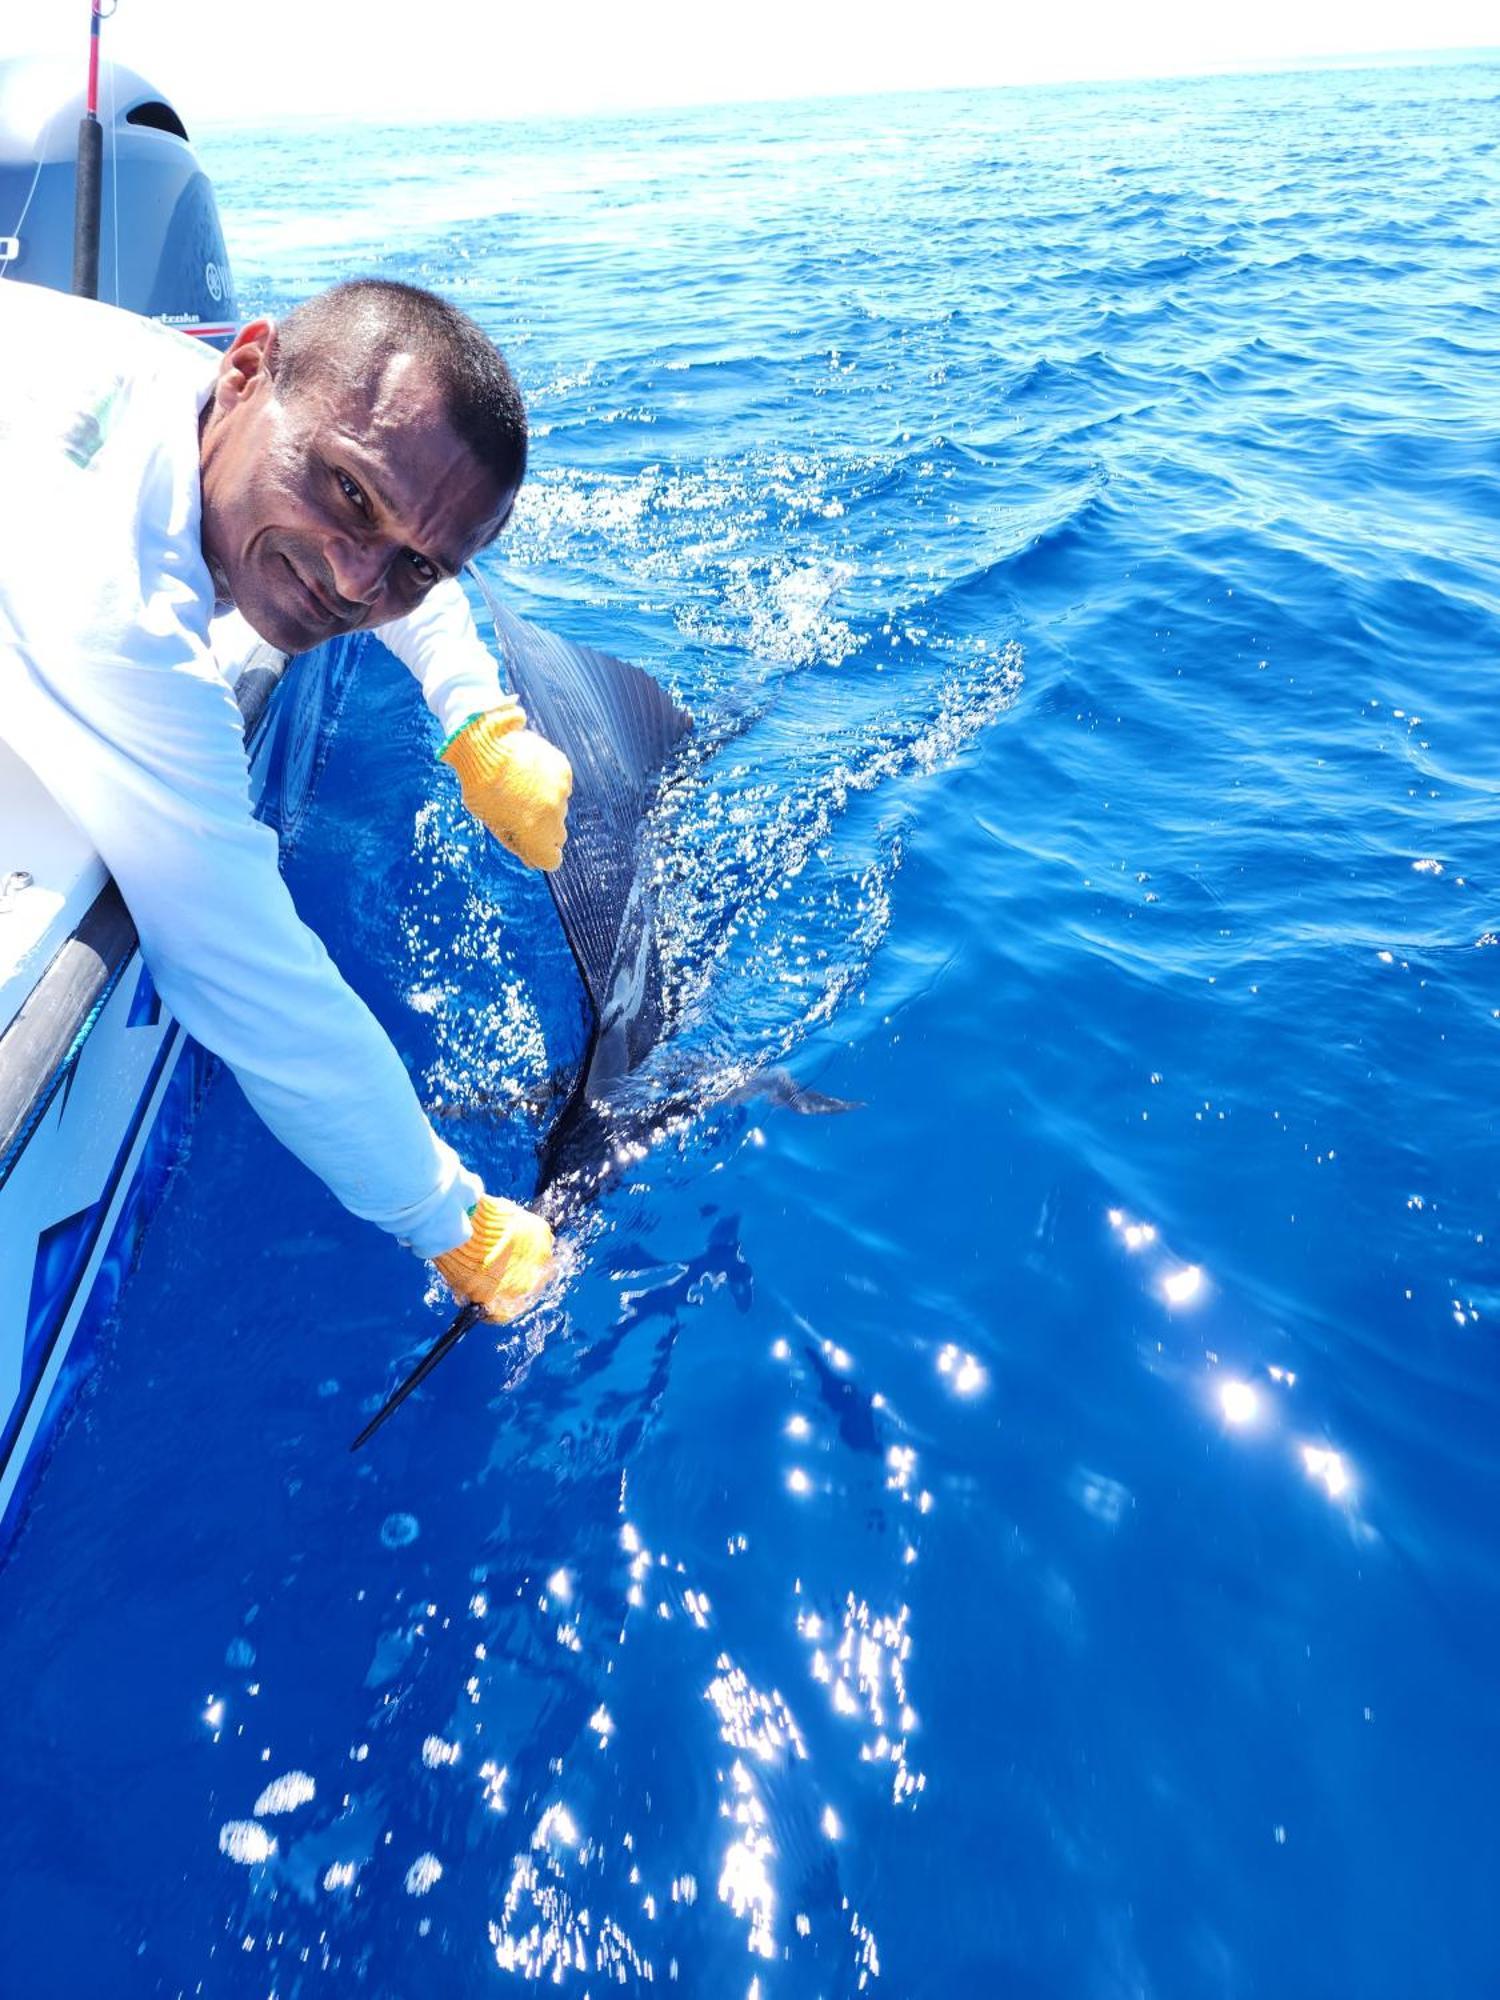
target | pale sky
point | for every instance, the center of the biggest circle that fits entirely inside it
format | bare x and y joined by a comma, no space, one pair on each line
513,58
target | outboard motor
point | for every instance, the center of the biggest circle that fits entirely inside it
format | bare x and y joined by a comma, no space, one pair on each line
161,247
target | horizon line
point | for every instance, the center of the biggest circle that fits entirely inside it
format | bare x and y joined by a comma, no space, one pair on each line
1310,65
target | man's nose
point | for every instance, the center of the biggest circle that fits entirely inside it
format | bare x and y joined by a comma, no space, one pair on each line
359,569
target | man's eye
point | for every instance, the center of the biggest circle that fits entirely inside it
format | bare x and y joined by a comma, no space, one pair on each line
424,570
351,492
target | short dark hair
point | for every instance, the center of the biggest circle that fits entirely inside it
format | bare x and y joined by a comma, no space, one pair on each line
360,323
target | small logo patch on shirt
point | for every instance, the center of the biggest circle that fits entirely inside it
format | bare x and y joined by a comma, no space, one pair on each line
86,434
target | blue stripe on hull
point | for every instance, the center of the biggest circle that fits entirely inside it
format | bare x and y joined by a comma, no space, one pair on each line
65,1258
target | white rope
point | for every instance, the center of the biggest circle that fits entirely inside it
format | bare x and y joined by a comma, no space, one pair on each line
5,262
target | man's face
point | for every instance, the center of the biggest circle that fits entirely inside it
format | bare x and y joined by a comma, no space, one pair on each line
339,505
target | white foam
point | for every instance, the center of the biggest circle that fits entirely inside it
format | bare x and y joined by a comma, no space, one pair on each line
285,1794
243,1841
422,1874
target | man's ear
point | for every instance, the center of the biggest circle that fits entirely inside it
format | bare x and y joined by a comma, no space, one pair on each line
249,359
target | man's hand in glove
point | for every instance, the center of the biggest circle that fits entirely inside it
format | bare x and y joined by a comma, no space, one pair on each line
515,781
506,1260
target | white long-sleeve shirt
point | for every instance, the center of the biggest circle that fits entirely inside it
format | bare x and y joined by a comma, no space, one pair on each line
109,690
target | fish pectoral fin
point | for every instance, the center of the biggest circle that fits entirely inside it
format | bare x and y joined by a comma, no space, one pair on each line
781,1088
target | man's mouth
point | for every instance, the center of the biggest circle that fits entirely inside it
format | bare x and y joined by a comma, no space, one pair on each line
321,609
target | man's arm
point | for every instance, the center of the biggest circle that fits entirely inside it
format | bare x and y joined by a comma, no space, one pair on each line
439,645
147,757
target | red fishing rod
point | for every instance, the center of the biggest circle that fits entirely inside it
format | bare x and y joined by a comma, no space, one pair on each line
88,185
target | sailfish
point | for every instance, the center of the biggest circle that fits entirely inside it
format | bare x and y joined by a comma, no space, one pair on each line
620,731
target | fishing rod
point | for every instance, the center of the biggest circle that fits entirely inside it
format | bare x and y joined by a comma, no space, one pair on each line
89,183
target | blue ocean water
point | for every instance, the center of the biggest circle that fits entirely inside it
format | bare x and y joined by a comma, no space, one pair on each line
1032,1533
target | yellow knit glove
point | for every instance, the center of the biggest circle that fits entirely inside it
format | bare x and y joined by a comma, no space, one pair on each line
515,781
506,1260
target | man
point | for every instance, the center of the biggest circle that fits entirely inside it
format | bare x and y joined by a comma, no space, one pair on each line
327,475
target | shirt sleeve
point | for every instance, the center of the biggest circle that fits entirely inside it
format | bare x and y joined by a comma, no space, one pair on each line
108,689
437,642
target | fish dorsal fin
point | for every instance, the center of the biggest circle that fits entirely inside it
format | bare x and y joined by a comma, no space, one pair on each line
618,729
